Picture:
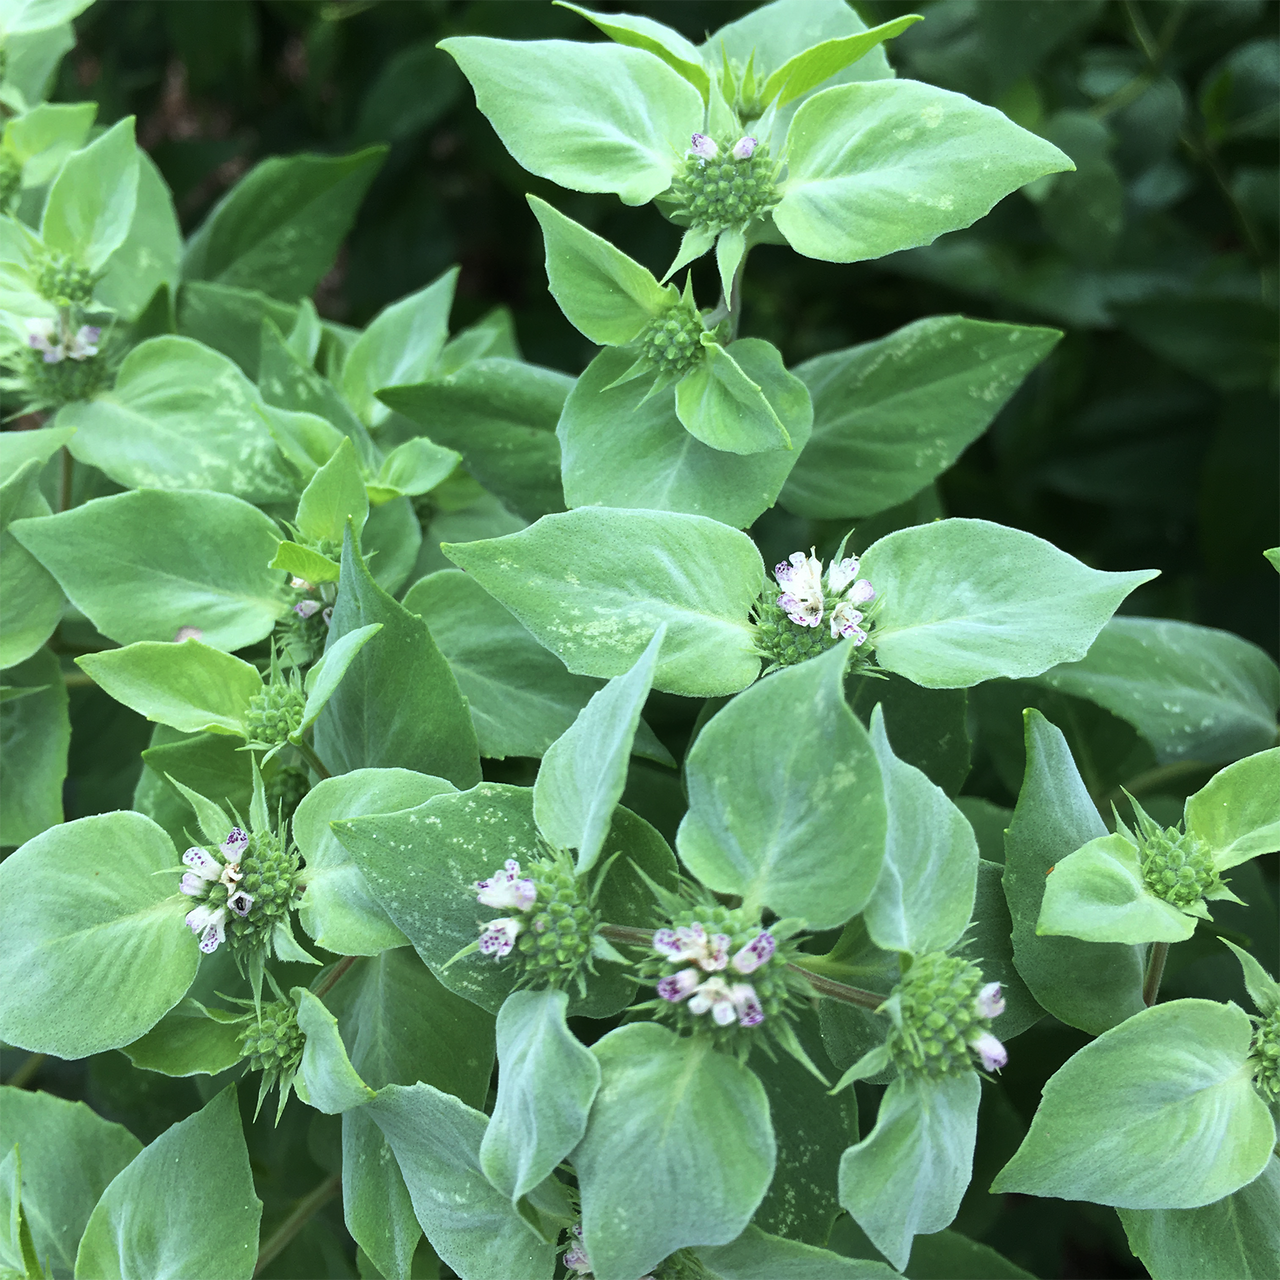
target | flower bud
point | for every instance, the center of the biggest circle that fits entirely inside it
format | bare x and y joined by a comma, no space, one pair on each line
743,148
704,147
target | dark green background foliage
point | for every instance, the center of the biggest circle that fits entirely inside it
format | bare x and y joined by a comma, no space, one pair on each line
1148,437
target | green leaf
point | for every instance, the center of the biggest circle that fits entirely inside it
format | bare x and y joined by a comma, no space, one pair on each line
398,705
229,319
521,696
188,686
605,295
413,468
546,1084
326,674
809,69
990,942
620,449
473,1227
18,447
891,415
754,1255
1263,989
1087,985
1237,814
181,416
906,1177
149,257
35,735
1273,554
794,822
195,1174
400,1026
334,495
701,1120
501,415
1112,1123
420,865
17,1249
593,585
856,190
302,562
644,33
966,600
1097,894
720,405
92,200
85,912
925,891
278,229
24,16
1192,692
590,117
330,1083
70,1155
47,134
189,1040
400,345
584,772
143,565
32,597
1237,1236
337,909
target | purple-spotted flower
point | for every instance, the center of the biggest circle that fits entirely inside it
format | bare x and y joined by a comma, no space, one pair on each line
990,1050
499,937
726,1003
57,344
676,986
506,888
692,943
206,871
306,608
990,1002
806,599
744,148
757,952
703,147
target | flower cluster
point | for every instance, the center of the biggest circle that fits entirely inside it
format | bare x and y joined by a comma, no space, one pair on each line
790,625
1176,866
576,1262
1265,1056
671,344
64,282
726,1001
276,712
554,925
218,887
942,1013
302,630
57,343
725,184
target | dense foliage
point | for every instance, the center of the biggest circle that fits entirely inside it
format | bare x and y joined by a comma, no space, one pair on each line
730,734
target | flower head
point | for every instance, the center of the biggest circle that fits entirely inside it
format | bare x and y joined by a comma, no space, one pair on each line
692,943
727,1004
506,888
58,344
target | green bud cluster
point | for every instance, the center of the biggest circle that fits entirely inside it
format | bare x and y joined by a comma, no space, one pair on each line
935,1015
1178,868
724,192
269,871
275,713
557,939
273,1045
785,642
10,179
1266,1057
64,282
286,790
53,385
671,342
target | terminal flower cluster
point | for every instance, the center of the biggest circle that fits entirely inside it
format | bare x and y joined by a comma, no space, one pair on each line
217,886
57,343
807,600
726,1001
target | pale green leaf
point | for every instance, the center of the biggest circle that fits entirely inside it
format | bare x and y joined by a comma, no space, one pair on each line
330,1083
644,33
325,676
809,69
1237,814
720,405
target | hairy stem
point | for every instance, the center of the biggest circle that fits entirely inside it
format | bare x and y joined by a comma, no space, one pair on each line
332,978
1155,971
27,1072
839,991
307,752
625,934
305,1210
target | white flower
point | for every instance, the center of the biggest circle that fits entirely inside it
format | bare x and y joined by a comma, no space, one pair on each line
209,922
240,902
801,582
990,1050
676,986
234,846
576,1260
85,343
743,148
862,592
703,147
203,864
990,1002
305,608
40,335
841,573
500,936
844,623
506,889
727,1003
755,953
300,584
691,943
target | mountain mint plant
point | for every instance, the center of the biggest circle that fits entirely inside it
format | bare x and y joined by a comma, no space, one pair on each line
631,872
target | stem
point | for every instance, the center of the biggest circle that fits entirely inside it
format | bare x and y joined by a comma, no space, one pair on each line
625,934
1155,971
735,297
306,1208
839,991
334,975
64,480
307,752
27,1072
